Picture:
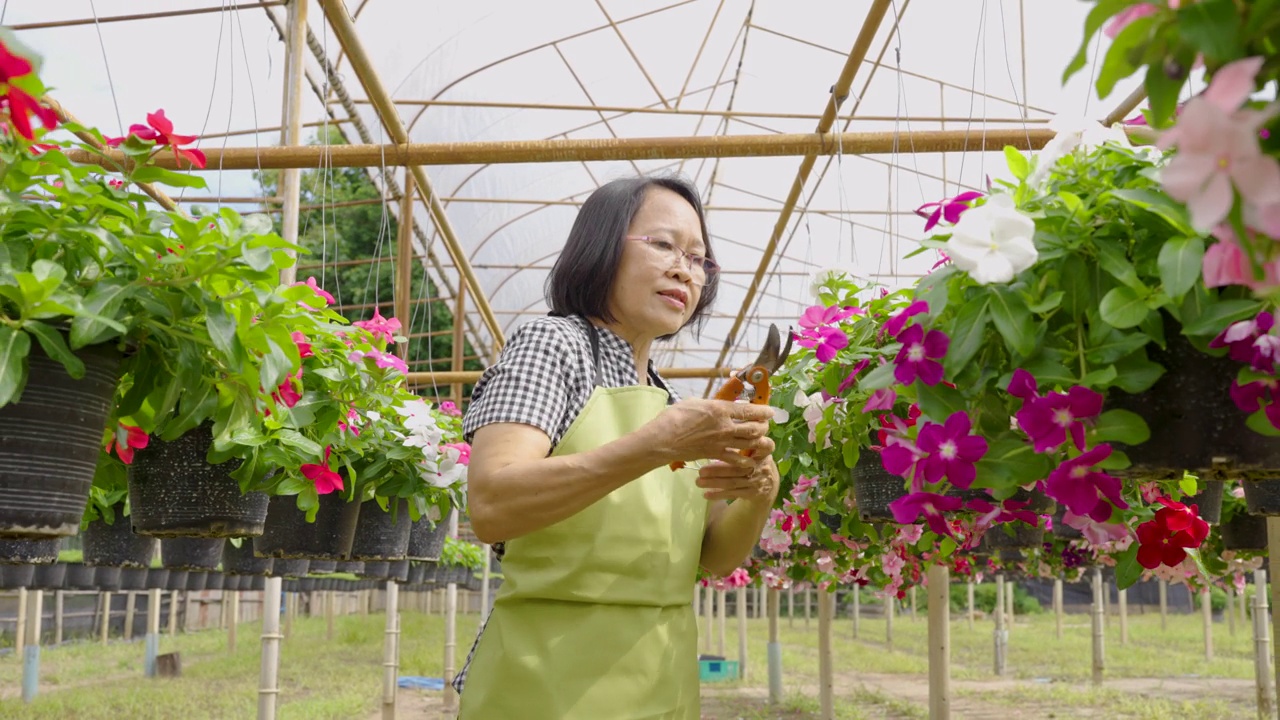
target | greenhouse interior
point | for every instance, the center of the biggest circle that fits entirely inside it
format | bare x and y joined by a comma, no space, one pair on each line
331,332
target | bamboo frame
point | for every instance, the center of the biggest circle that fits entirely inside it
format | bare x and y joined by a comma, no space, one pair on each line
143,16
1126,106
291,134
575,150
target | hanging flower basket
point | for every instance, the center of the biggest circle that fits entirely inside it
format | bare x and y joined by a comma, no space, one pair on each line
287,534
874,488
157,578
1262,497
29,551
242,561
177,580
417,571
49,443
382,535
191,553
1244,532
351,567
49,577
106,577
115,545
426,540
13,577
196,580
214,581
375,569
133,578
289,568
81,577
174,492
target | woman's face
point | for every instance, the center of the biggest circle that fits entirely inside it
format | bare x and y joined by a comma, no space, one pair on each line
654,294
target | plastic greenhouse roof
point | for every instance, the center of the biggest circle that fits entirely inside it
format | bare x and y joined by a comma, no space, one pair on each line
493,70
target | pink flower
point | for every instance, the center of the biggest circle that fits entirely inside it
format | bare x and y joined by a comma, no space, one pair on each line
304,347
311,283
826,341
1218,148
1128,15
951,451
126,439
1226,263
381,328
949,209
893,327
325,479
448,408
800,491
909,508
1250,341
1082,489
349,425
287,393
881,399
464,452
919,356
380,359
159,129
738,578
817,316
1048,420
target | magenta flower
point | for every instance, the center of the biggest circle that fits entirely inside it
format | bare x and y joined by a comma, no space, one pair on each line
464,451
819,315
909,508
325,479
1084,490
448,408
1128,15
381,328
1006,512
1250,341
1251,396
852,377
304,347
899,457
951,451
826,342
380,359
311,283
1048,420
949,209
893,327
881,399
919,356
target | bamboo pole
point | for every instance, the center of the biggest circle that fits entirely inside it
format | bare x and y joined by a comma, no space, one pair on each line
1009,595
404,262
31,648
105,599
291,135
143,16
1164,605
720,620
1206,616
153,633
791,606
1000,635
130,605
1126,106
173,613
969,592
857,611
708,618
344,29
1262,646
512,152
742,632
1057,606
889,602
826,660
459,342
233,622
808,601
913,604
1123,596
57,617
1231,611
391,651
20,630
774,649
268,689
450,630
1099,650
939,643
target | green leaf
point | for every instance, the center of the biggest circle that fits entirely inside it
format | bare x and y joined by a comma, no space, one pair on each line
1116,345
1136,373
1213,27
1050,372
938,402
195,406
967,331
1128,571
1121,426
932,289
1018,164
258,258
1076,281
880,377
1099,378
14,348
1162,94
1048,304
1100,13
94,323
1259,423
1123,308
1113,259
1010,461
296,440
48,274
1160,205
1013,320
1180,262
56,347
1218,315
1188,485
152,174
1119,64
222,329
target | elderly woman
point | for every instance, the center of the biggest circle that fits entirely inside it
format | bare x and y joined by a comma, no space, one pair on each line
572,434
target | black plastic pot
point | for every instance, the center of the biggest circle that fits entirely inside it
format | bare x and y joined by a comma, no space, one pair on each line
196,580
1244,532
106,577
289,568
351,567
40,551
426,539
287,533
1017,535
306,584
1208,501
177,580
115,545
874,487
49,577
158,579
382,535
1262,497
13,577
81,577
417,571
50,440
321,567
242,561
398,570
257,583
375,569
215,581
133,578
289,585
1194,423
174,492
191,553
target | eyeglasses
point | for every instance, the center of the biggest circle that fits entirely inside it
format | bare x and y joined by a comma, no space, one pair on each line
700,268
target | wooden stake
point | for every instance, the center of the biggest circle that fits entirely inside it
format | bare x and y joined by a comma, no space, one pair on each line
708,617
391,651
1000,635
857,611
1262,646
889,603
1098,637
57,617
791,606
1009,614
720,619
31,648
1057,605
291,133
939,643
808,601
1206,615
450,631
774,649
152,639
742,631
268,690
1231,611
130,605
826,661
913,603
105,598
233,621
1164,605
20,630
762,606
969,592
173,614
1123,596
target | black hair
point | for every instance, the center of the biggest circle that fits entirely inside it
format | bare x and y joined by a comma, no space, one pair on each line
580,280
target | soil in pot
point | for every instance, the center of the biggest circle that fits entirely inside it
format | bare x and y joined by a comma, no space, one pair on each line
242,560
50,442
287,533
1194,423
426,539
115,545
175,492
44,550
382,535
190,553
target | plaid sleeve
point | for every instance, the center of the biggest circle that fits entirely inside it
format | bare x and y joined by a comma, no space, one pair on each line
531,383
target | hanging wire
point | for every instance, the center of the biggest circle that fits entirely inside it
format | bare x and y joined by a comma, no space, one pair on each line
106,64
973,84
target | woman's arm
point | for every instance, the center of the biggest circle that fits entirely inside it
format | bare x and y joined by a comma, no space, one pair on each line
734,528
513,488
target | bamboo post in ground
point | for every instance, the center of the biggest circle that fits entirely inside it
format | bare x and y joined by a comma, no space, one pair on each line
484,588
1164,605
233,621
720,619
743,593
1244,610
791,606
708,617
889,602
1009,595
762,608
969,592
1261,646
104,597
173,612
153,633
1231,611
1099,651
130,605
330,600
1273,550
774,650
1000,635
1206,615
268,690
939,643
857,611
450,631
31,648
57,617
290,602
391,651
1123,596
826,662
20,630
808,603
1057,606
1106,605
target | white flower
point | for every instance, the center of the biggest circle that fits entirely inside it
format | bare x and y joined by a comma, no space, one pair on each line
1072,132
993,242
823,277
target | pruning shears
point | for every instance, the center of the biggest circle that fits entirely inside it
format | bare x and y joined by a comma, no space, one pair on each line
751,384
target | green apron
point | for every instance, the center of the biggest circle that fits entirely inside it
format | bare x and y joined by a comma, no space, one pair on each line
594,618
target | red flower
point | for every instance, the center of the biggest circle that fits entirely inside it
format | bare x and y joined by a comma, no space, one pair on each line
134,438
304,347
19,103
159,129
325,479
287,394
1165,538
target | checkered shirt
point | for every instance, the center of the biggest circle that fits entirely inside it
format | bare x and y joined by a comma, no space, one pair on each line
543,378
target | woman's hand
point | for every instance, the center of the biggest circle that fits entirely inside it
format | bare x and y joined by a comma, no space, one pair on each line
717,430
758,481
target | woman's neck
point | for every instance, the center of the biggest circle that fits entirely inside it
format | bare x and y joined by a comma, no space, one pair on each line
640,346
